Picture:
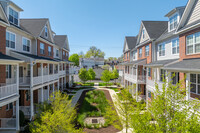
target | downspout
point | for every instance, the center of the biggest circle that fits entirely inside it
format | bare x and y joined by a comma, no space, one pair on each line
36,45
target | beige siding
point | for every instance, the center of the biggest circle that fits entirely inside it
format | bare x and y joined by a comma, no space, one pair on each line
42,35
146,37
195,13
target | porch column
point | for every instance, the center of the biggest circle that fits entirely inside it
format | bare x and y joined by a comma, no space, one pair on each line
62,84
58,84
32,109
53,87
31,75
48,92
187,86
136,73
168,78
17,115
42,71
42,94
53,68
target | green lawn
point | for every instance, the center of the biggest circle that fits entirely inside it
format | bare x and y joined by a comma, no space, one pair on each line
104,84
94,105
86,84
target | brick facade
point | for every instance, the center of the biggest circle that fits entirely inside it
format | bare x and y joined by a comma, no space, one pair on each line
143,53
2,50
64,57
46,45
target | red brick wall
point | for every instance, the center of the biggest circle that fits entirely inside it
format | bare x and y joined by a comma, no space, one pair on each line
182,43
2,74
143,53
35,96
23,101
64,57
3,40
127,56
45,49
4,113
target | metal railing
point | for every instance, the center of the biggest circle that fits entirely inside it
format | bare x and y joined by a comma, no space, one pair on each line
7,123
8,90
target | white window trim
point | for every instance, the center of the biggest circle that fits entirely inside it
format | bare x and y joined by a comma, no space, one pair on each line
45,31
193,44
146,51
195,84
56,52
176,46
23,45
139,53
50,52
16,11
161,50
40,48
169,22
9,40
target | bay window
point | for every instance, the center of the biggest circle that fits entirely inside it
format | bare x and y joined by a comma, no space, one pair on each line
134,56
26,44
193,43
161,49
10,40
175,46
57,53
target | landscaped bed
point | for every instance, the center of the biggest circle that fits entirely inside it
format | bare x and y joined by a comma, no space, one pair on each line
92,104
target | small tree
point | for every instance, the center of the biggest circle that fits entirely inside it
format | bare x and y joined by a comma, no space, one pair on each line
115,74
91,74
83,75
106,76
57,119
74,58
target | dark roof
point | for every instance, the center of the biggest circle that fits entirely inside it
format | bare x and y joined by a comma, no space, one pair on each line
60,40
189,65
155,28
137,62
166,35
33,26
180,9
7,57
131,41
35,56
160,63
189,25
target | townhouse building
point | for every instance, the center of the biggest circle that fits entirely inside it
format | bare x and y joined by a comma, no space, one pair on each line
33,64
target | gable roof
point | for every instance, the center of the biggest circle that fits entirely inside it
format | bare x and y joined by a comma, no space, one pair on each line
33,26
155,28
61,41
130,41
180,9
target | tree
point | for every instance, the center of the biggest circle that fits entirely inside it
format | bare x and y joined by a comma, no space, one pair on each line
91,74
106,67
106,76
74,58
93,51
83,75
59,118
81,54
115,74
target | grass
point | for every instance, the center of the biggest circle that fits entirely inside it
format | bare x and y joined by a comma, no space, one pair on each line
94,105
104,84
86,84
81,88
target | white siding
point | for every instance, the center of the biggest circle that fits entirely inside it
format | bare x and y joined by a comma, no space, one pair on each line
168,50
195,13
146,37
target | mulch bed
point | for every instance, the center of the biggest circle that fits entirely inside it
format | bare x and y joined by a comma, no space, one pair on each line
109,129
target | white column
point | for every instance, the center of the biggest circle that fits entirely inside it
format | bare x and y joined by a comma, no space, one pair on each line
168,78
53,68
31,75
58,84
187,86
48,92
136,73
42,71
42,94
53,87
17,116
32,108
62,83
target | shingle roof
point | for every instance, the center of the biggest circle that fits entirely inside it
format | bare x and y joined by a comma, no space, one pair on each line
6,57
166,35
131,41
155,28
60,40
33,26
160,63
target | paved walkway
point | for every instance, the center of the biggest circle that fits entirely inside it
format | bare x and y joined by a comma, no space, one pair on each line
112,94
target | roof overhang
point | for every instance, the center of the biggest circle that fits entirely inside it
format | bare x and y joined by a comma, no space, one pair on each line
161,63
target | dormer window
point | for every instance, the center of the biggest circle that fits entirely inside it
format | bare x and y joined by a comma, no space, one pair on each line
46,32
143,35
13,16
173,22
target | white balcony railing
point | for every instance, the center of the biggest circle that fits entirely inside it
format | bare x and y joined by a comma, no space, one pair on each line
130,77
142,78
25,109
24,80
7,90
62,72
152,83
37,80
120,73
7,123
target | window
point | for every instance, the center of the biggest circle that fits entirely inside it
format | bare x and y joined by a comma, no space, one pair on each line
162,75
63,53
13,16
26,44
193,43
147,50
41,48
134,56
143,35
49,50
140,52
175,77
8,71
9,106
149,94
46,32
57,53
27,95
175,46
195,83
149,72
28,70
173,22
10,40
161,49
66,54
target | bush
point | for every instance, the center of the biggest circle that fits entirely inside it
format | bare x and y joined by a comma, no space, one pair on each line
21,118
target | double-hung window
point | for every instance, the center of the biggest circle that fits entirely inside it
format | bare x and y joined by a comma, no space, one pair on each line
175,46
8,71
41,48
49,50
26,44
195,83
57,53
13,16
140,52
134,56
161,49
173,22
162,75
9,106
193,43
149,72
46,31
143,34
10,40
175,77
147,50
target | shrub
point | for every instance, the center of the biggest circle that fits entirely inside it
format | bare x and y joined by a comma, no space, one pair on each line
21,118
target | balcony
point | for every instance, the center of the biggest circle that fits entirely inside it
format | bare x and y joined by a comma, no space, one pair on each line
141,79
23,81
63,72
130,77
120,73
7,90
7,123
25,109
152,83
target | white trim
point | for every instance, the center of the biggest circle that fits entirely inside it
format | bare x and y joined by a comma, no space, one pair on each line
9,39
23,45
176,46
13,16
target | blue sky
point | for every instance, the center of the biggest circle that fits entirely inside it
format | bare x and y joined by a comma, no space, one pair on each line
100,23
